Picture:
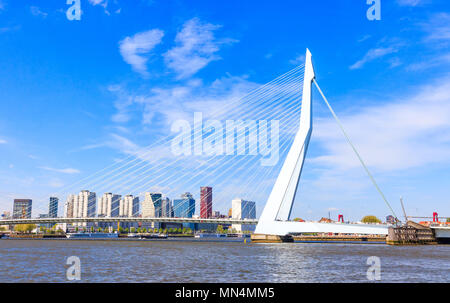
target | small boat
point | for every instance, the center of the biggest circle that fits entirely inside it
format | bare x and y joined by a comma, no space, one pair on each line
210,235
92,235
154,236
134,236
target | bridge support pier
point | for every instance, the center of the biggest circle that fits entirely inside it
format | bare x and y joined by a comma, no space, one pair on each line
262,238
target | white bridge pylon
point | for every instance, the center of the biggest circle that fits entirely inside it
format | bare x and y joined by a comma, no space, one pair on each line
274,219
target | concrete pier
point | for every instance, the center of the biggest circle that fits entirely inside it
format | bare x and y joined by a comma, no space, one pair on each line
411,234
261,238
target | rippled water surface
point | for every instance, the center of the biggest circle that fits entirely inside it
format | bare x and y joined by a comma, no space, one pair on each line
199,261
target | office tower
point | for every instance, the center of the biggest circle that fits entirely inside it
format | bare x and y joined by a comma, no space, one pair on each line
242,209
22,209
109,205
53,207
205,202
151,207
184,207
129,206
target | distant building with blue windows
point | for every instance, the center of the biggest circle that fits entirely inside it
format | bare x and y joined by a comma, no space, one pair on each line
184,207
53,207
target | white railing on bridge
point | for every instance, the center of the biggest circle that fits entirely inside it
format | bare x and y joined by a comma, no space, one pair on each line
128,219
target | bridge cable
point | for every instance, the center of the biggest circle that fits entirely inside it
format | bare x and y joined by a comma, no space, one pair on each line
354,149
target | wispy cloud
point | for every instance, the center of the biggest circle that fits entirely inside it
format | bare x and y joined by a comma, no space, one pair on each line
411,2
2,5
373,54
9,29
55,183
61,170
36,11
407,132
104,4
364,38
196,48
299,59
2,141
166,104
135,50
438,27
430,62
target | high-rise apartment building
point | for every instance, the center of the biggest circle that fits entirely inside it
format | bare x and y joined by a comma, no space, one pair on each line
242,209
22,208
205,202
129,206
82,205
109,205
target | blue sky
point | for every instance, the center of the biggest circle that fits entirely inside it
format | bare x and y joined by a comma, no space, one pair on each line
77,96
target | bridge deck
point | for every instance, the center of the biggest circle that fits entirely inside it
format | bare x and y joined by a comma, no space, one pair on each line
127,219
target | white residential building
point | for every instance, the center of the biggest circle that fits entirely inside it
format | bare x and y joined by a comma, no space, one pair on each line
109,205
80,206
129,206
242,209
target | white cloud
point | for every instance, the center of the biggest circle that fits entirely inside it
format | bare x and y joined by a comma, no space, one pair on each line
9,29
410,2
408,132
104,4
373,54
133,49
438,27
36,11
2,141
164,105
61,170
431,62
56,183
196,48
99,2
2,5
364,38
299,59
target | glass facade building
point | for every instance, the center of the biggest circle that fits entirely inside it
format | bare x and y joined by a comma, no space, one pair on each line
184,207
53,207
22,209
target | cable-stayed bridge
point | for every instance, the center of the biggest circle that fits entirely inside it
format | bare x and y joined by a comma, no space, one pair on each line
256,154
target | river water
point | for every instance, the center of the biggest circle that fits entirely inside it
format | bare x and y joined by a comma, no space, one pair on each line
202,261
